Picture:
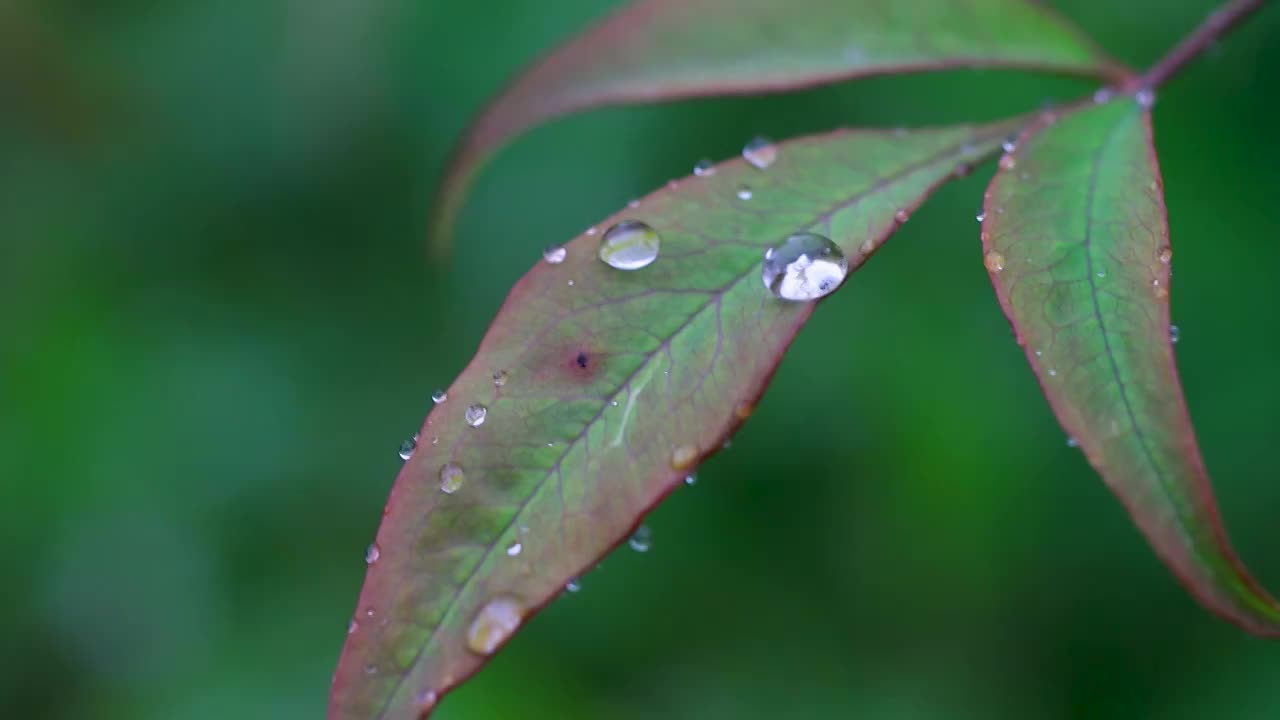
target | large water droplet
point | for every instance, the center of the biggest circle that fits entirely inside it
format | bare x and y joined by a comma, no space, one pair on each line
629,245
451,478
994,261
475,415
408,446
555,254
704,167
982,215
683,457
494,624
641,540
760,152
573,586
514,549
372,554
805,266
1174,334
439,396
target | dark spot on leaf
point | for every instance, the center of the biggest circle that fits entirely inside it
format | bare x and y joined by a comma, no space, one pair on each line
582,360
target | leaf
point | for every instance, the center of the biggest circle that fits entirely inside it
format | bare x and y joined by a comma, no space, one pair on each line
614,385
654,50
1077,243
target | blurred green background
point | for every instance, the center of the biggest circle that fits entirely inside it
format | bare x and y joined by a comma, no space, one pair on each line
218,323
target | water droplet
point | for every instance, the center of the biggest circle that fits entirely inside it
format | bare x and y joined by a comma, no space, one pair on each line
690,479
494,624
591,230
1102,95
868,246
426,700
475,415
514,549
1174,334
451,478
684,457
642,539
760,152
439,396
574,585
805,266
744,192
370,669
555,254
370,612
500,378
1102,274
1146,98
1039,353
1053,373
352,627
981,216
633,204
1165,254
1072,442
1007,162
704,167
994,261
408,446
629,245
901,215
1010,144
372,554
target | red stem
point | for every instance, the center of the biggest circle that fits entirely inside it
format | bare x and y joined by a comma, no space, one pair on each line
1218,23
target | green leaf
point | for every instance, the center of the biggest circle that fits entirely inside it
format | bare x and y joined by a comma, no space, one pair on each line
614,385
654,50
1077,243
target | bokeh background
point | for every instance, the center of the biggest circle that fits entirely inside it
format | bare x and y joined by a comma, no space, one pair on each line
217,323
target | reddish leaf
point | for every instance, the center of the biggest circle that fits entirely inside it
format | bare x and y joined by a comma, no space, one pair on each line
602,389
655,50
1077,242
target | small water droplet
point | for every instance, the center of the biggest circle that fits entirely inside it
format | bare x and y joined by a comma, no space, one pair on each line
1102,95
634,203
744,192
1174,334
1102,274
760,152
573,586
1007,162
704,167
1072,442
1165,254
426,700
901,215
867,247
352,627
408,446
372,554
451,478
1039,353
500,378
370,612
591,230
683,457
629,245
475,415
690,479
370,669
994,261
439,396
435,441
981,216
1146,98
804,267
555,254
641,540
514,549
494,624
1010,144
613,403
1053,373
570,283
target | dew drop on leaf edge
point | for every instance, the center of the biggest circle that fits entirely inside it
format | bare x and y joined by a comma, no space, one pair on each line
642,539
803,267
408,446
761,152
629,245
494,623
994,261
555,254
439,396
372,554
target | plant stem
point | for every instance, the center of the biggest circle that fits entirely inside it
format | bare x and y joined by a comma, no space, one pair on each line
1218,23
